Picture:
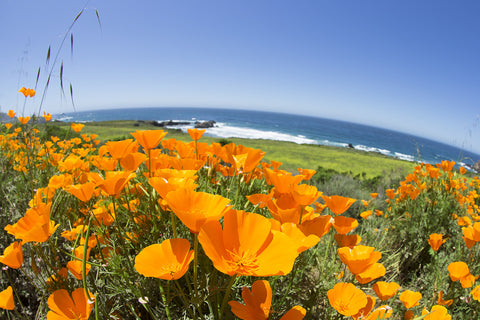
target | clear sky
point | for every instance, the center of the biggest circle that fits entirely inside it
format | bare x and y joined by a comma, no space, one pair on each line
410,65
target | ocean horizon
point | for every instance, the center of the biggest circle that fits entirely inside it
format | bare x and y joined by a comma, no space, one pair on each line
300,129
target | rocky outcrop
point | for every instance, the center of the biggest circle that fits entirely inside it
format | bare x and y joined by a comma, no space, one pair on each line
205,124
169,123
476,166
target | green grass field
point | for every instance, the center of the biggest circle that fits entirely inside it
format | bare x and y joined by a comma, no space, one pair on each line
292,155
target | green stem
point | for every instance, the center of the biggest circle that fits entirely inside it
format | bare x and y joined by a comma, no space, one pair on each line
84,259
184,299
227,295
174,225
164,299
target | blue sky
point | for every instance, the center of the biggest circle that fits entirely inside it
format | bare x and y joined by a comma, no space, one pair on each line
410,65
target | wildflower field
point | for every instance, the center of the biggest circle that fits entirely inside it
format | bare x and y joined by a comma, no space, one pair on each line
151,227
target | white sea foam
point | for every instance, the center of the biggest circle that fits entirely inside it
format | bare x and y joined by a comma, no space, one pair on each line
404,156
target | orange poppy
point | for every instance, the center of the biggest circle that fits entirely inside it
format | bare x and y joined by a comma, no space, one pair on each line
83,192
359,258
375,271
382,312
344,225
35,226
347,299
365,310
258,302
442,302
410,298
196,134
338,204
6,299
436,313
475,293
27,92
8,125
344,240
77,127
374,195
76,268
234,251
366,214
436,240
390,193
120,149
460,271
318,226
23,120
168,260
115,181
385,290
306,173
47,116
78,306
13,255
132,161
149,139
11,113
194,209
302,241
305,194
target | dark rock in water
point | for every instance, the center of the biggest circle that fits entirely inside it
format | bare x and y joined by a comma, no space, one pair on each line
476,166
205,124
350,145
169,123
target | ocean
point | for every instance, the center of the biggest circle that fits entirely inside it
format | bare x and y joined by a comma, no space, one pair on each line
288,127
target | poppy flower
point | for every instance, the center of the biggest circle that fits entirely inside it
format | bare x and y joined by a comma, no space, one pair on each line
78,306
120,149
382,312
318,226
76,268
258,302
375,271
436,240
338,204
13,255
196,208
344,225
359,258
132,161
82,192
168,260
302,241
306,173
47,116
305,194
347,299
476,293
35,226
410,298
436,313
23,120
27,92
6,299
115,181
77,127
459,271
442,302
196,134
365,310
8,125
234,251
366,214
385,290
344,240
149,139
11,113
